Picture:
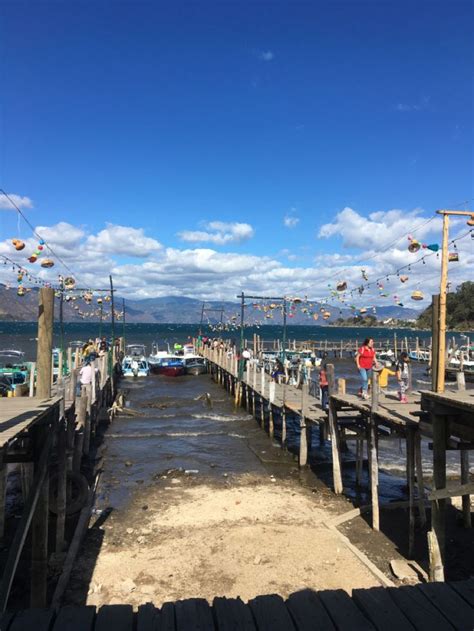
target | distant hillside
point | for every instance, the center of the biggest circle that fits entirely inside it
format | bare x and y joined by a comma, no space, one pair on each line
177,310
459,309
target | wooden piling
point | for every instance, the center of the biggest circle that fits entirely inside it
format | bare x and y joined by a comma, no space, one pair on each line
39,526
438,507
303,453
419,478
410,451
373,453
62,482
466,499
3,490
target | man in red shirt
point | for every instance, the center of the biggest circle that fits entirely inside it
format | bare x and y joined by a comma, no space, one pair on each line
365,360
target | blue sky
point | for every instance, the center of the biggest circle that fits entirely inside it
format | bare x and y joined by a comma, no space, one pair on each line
164,118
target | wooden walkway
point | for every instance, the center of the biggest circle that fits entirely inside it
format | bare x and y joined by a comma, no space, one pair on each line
19,414
429,607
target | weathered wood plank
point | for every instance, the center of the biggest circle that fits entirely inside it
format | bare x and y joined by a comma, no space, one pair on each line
452,606
381,609
116,617
5,620
148,618
194,614
271,614
231,614
308,612
343,612
167,617
464,589
418,609
35,619
72,618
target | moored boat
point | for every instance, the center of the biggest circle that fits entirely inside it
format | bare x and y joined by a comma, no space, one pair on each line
170,366
135,364
195,365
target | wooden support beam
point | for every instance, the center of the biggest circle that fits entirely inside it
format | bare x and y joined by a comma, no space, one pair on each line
336,456
303,454
419,479
442,494
3,489
62,484
410,451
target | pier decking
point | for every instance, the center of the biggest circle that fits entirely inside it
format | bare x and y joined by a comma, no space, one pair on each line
429,607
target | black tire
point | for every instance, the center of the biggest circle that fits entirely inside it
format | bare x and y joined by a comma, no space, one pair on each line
77,496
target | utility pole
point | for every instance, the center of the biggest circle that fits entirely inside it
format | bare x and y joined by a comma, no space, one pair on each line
443,288
101,315
202,319
284,331
123,321
242,324
45,343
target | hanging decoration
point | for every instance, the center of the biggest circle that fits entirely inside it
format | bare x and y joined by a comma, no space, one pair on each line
414,245
341,286
417,295
69,283
19,244
37,252
364,274
403,278
47,263
453,257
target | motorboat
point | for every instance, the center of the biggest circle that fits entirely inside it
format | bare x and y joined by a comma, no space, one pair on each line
420,355
135,367
170,366
194,365
135,363
14,371
462,361
386,355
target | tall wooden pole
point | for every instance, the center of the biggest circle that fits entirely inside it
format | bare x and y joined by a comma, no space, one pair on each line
242,325
442,307
45,343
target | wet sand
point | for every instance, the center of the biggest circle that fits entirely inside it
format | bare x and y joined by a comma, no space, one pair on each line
196,502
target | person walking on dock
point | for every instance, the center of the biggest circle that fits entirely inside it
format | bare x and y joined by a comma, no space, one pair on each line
403,376
365,360
324,388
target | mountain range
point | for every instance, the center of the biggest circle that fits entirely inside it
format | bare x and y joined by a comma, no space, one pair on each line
177,310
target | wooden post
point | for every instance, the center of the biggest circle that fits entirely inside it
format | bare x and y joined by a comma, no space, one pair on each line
45,342
373,455
419,479
411,489
303,455
3,490
32,379
466,499
435,342
69,360
86,393
39,527
395,350
336,457
62,479
460,381
359,459
341,386
60,367
81,404
442,308
438,507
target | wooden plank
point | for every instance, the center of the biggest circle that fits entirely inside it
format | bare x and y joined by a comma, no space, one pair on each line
231,614
167,617
271,614
148,618
451,605
116,617
194,614
5,620
343,612
464,589
73,618
418,609
381,609
33,620
308,612
460,489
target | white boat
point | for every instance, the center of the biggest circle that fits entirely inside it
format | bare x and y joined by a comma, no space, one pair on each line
462,360
419,355
135,363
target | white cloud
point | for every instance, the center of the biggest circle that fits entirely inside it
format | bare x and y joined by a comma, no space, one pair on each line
418,106
219,233
290,221
266,55
21,202
123,240
377,230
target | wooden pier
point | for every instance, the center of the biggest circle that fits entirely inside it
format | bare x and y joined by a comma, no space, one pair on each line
429,607
49,436
351,418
